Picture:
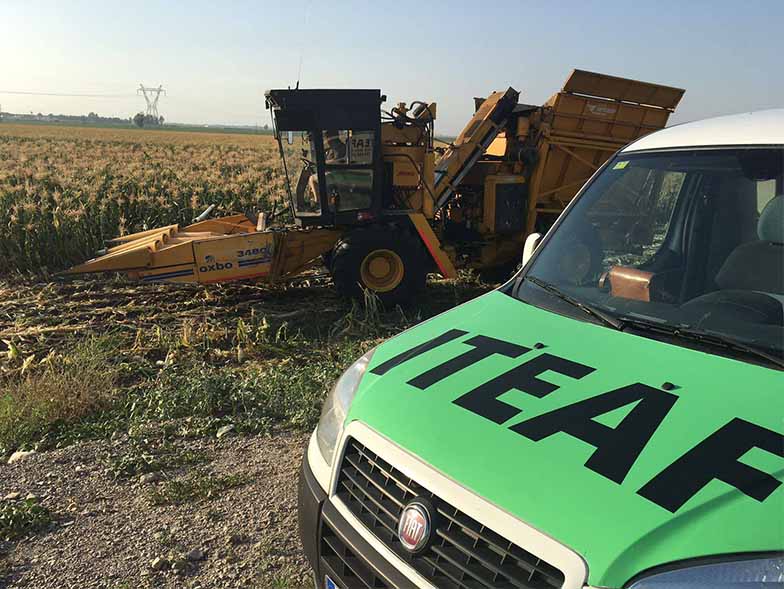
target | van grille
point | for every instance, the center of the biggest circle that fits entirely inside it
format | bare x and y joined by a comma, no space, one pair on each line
464,553
350,570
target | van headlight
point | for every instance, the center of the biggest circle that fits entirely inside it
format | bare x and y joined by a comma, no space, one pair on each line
739,574
336,406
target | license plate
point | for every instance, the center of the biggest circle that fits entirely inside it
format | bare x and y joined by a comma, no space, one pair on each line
329,583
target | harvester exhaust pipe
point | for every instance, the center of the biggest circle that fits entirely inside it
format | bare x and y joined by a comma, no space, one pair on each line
205,215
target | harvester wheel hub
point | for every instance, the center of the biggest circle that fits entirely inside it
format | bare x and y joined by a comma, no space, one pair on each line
382,270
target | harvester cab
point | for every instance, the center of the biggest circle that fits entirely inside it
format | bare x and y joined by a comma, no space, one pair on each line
328,141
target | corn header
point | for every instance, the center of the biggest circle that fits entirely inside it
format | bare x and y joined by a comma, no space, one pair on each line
381,206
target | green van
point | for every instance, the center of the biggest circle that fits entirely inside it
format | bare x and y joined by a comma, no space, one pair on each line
613,416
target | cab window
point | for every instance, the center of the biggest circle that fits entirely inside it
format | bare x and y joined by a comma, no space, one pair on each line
348,158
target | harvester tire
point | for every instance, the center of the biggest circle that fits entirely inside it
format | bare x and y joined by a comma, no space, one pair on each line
388,262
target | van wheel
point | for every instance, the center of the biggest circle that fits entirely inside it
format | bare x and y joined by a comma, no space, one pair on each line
388,262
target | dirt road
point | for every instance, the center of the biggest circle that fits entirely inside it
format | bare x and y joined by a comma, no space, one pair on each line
109,532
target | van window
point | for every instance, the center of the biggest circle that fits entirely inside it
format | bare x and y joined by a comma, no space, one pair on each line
685,238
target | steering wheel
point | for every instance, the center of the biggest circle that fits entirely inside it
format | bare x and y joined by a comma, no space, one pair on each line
581,260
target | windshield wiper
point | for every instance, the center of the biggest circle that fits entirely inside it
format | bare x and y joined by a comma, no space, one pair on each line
677,331
706,337
587,308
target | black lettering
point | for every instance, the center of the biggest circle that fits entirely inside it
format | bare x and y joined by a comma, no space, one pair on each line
716,457
483,347
483,400
395,361
616,448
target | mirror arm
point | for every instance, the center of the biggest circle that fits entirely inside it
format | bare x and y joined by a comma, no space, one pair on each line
531,242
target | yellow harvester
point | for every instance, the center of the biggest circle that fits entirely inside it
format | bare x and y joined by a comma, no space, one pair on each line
381,207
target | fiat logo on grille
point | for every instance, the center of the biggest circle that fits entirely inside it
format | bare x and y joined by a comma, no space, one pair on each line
413,530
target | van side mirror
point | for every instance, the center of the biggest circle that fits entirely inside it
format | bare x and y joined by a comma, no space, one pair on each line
530,246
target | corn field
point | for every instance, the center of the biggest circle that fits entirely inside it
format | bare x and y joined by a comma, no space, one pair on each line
65,190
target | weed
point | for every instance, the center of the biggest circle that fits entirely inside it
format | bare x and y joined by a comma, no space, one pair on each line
166,539
272,572
62,392
251,397
198,487
143,456
277,581
21,518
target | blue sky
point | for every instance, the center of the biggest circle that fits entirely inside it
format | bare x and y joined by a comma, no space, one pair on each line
216,59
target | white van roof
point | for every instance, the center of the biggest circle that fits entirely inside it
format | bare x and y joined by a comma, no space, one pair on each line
763,127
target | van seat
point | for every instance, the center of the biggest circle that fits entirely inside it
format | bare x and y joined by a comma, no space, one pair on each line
759,265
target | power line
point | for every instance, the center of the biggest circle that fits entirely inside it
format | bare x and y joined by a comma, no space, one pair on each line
66,94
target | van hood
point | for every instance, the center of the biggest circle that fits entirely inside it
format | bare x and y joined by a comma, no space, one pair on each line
622,515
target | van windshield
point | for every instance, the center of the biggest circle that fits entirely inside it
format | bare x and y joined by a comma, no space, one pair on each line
687,245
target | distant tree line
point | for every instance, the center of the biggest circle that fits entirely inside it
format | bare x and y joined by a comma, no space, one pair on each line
139,119
142,120
91,117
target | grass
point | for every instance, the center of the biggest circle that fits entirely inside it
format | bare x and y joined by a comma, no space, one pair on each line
22,518
144,455
63,389
271,571
278,581
284,390
171,368
194,397
201,486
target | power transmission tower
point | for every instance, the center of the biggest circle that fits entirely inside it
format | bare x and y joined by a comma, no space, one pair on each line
151,96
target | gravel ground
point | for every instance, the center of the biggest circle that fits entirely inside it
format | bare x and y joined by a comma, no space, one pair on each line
107,532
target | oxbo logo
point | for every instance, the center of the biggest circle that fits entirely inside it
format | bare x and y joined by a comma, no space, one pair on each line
215,266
